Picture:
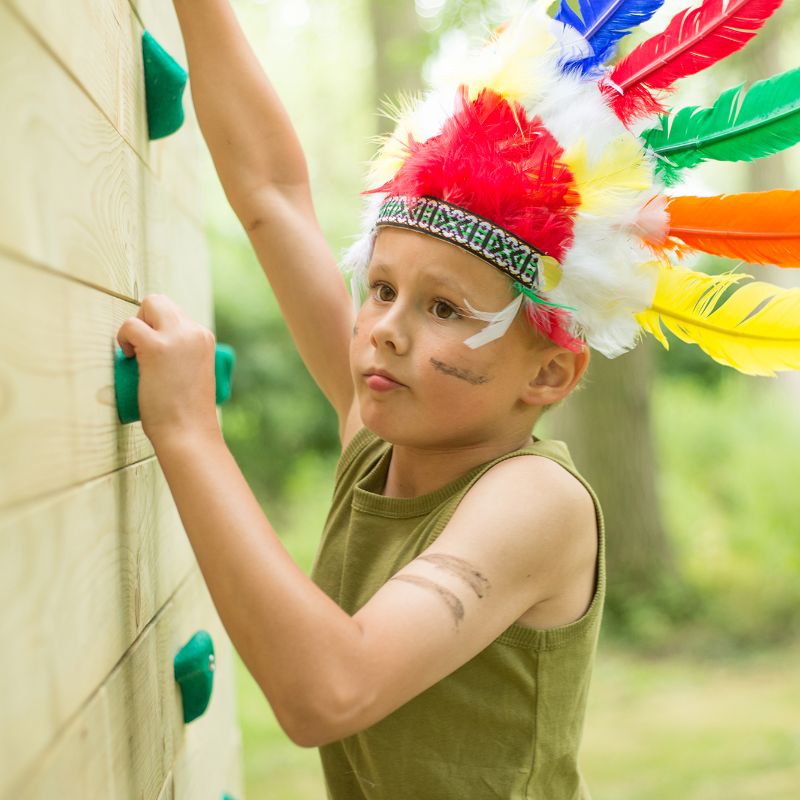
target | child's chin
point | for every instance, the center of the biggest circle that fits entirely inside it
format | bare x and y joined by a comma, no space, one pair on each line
381,424
387,426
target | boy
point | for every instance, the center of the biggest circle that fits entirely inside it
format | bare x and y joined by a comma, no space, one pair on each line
443,646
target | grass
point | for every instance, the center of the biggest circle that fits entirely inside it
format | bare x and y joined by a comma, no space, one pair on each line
694,730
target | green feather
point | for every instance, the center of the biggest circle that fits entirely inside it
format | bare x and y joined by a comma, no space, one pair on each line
740,126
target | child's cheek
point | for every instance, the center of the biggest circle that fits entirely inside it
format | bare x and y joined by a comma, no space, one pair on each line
472,372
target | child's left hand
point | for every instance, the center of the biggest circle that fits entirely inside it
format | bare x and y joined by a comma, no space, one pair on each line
176,369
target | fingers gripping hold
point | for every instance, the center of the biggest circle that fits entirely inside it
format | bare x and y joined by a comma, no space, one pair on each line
157,313
161,312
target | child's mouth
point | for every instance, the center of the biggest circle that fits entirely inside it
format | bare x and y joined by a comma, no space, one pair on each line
380,383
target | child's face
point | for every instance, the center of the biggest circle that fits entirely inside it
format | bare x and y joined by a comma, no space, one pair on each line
408,326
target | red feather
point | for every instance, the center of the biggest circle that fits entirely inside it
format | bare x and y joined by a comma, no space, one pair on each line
553,323
694,40
495,162
492,160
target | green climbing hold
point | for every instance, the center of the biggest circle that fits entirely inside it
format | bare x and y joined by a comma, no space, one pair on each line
224,359
194,672
164,81
126,381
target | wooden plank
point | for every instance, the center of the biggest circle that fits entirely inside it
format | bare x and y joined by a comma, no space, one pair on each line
160,19
82,573
168,789
99,46
178,262
84,758
76,198
234,774
181,159
139,709
58,417
96,44
71,196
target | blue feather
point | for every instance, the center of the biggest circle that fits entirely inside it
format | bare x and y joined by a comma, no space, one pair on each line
603,23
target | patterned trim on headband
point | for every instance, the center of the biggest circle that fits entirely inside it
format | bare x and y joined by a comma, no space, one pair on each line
473,233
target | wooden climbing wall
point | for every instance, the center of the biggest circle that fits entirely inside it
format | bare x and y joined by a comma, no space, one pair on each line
99,587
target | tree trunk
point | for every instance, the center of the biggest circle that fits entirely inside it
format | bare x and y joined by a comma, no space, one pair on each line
400,50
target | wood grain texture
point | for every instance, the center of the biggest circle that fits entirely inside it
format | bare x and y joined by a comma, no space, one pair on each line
168,789
124,741
179,159
98,47
96,44
58,417
209,760
197,776
77,199
99,587
71,197
177,257
82,573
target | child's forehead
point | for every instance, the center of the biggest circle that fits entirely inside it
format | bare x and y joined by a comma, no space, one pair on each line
434,272
408,253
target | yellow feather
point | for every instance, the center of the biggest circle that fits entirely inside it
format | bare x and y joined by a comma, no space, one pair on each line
511,63
394,146
551,272
756,330
605,187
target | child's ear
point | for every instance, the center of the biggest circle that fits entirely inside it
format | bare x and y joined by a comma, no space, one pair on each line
555,374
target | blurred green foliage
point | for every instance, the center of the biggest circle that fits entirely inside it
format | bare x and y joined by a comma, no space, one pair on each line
729,465
277,414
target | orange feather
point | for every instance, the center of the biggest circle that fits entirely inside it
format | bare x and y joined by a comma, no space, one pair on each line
757,227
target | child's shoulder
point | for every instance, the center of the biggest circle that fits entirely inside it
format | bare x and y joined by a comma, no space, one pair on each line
551,524
540,477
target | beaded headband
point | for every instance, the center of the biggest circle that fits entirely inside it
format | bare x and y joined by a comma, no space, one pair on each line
473,233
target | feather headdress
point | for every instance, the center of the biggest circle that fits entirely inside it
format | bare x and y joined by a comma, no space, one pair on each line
539,156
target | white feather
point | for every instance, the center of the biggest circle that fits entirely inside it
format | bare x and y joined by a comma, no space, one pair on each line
499,322
355,259
566,110
607,277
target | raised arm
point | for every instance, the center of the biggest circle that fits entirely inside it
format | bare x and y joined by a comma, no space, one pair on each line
263,172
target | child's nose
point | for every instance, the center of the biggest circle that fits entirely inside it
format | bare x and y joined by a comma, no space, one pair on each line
391,331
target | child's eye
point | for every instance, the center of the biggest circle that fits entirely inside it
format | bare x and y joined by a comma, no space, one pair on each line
384,291
447,311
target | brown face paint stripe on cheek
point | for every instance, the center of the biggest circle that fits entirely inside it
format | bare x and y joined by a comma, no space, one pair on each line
464,374
463,569
453,603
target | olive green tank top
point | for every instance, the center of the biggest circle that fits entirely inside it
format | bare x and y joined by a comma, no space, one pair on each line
508,723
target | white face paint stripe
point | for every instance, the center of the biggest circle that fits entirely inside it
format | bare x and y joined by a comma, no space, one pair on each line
499,322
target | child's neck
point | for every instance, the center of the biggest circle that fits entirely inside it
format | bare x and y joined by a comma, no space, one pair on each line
414,472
